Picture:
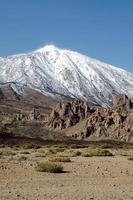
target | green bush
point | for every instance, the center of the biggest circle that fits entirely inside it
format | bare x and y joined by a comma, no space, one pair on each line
49,167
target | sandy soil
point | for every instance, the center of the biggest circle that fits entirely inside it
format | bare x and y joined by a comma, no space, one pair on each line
99,178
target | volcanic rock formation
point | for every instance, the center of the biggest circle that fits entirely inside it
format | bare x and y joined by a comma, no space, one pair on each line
68,114
115,122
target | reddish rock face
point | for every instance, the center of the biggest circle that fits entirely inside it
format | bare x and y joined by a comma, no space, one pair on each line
115,122
69,114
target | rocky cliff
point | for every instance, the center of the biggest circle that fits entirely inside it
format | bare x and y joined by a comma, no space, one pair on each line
68,114
115,122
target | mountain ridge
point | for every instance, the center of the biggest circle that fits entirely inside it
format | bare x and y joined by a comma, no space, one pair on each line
60,72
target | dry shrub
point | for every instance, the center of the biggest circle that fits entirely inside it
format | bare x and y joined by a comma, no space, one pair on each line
41,155
130,157
49,167
24,152
97,152
60,159
30,146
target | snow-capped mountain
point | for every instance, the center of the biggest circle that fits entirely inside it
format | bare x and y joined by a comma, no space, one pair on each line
61,72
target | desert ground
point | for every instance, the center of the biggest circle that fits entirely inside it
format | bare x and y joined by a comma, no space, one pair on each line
84,178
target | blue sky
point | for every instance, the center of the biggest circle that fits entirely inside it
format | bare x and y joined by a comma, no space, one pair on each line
102,29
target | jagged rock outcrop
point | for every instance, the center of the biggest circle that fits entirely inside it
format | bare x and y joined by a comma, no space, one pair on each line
10,117
122,102
68,114
115,122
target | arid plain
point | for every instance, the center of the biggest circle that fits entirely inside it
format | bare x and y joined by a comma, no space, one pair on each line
85,176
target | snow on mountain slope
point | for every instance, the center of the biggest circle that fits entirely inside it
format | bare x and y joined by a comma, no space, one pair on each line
55,71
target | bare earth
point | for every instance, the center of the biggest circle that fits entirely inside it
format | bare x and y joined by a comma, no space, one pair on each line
99,178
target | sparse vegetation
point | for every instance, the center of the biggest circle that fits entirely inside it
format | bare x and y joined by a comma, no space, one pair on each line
54,151
22,158
60,159
127,147
77,153
107,146
64,146
30,146
97,152
51,151
130,157
77,146
50,167
7,153
59,149
2,145
41,150
41,155
86,154
24,152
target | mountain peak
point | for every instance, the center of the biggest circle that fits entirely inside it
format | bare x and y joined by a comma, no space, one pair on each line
61,72
46,48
